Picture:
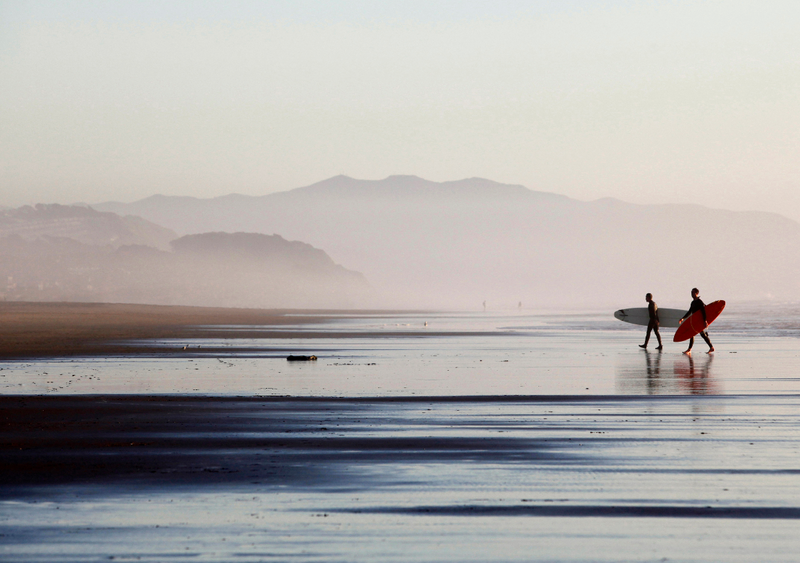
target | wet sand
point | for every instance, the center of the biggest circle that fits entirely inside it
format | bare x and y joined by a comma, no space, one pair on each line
76,329
157,478
537,442
41,330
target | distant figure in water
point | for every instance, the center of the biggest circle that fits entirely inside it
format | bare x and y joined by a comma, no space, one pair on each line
652,311
484,306
697,305
519,306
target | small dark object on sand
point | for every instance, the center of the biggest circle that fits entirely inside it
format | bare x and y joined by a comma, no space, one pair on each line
302,358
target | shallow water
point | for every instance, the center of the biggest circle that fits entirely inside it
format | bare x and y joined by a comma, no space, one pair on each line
470,354
530,437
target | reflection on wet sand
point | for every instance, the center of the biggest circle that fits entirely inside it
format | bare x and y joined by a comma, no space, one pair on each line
694,376
637,375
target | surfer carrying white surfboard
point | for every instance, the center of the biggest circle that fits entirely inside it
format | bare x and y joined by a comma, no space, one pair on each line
652,311
697,305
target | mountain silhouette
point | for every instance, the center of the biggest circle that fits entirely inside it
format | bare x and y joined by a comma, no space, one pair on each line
459,243
209,269
83,224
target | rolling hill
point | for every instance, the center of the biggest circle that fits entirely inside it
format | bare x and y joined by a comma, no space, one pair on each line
82,224
209,269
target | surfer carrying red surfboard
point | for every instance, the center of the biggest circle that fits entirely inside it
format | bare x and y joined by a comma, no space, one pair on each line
652,311
698,305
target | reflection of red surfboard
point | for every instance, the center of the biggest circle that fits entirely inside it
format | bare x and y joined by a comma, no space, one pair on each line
694,324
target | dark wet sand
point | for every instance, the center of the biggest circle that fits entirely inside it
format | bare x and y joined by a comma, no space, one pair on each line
178,478
76,329
161,441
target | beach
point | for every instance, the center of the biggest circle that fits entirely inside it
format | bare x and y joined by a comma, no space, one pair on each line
413,437
80,329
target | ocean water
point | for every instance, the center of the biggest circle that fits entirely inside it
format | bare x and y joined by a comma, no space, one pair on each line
474,437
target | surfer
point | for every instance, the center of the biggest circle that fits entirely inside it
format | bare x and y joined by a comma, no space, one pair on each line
652,325
697,305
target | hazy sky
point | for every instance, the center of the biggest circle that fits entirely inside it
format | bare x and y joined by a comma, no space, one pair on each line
643,101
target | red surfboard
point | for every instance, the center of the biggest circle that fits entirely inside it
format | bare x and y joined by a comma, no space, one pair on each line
695,325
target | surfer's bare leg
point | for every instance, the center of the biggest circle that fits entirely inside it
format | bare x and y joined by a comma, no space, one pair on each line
689,349
646,337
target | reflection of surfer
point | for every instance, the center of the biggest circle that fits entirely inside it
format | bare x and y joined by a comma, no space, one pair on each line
653,373
698,305
695,379
652,325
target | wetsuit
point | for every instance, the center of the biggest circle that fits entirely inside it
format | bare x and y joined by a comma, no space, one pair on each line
652,325
698,305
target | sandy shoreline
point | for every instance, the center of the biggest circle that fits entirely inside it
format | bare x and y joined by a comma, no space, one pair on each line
39,330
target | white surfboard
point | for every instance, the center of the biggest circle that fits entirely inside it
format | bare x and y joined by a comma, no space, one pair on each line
667,318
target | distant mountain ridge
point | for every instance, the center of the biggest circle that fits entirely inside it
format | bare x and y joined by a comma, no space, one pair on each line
210,269
83,224
413,187
188,215
457,244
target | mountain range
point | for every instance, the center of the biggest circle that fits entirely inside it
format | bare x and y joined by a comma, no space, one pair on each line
72,253
84,225
460,243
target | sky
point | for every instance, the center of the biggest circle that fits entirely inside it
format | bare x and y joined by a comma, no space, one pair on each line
648,102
